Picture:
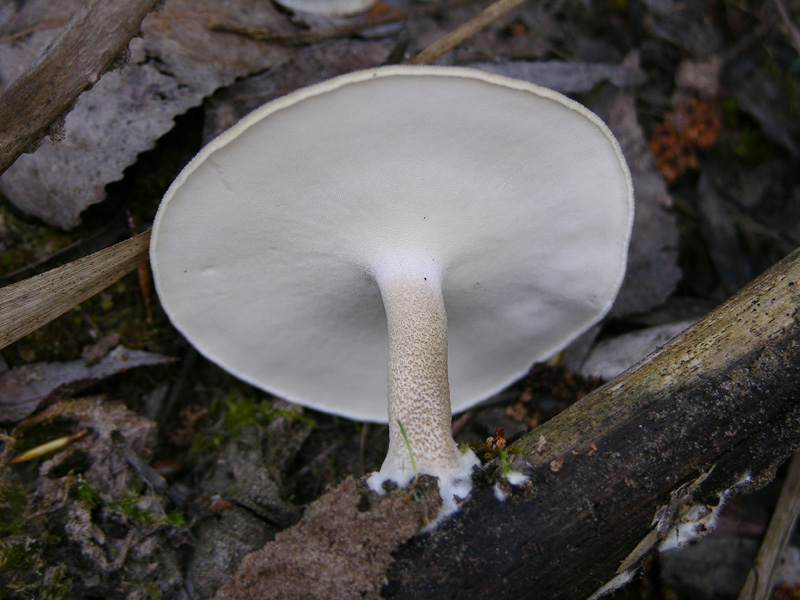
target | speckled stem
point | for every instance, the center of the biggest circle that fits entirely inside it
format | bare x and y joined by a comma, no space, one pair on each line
419,391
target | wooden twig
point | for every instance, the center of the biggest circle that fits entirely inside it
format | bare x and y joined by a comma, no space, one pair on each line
792,31
7,39
465,31
29,304
761,578
73,62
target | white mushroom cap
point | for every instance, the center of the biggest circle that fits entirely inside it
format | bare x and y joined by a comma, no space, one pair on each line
266,248
328,8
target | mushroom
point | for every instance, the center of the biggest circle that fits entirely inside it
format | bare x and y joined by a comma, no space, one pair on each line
485,219
328,8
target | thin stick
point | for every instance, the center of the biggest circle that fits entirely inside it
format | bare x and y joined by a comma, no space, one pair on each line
466,31
29,304
794,33
761,577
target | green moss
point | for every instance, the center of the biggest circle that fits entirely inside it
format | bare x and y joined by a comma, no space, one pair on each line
21,547
13,508
151,589
242,411
786,82
747,144
238,411
293,416
128,506
17,553
23,243
28,544
86,493
55,584
175,519
503,455
24,573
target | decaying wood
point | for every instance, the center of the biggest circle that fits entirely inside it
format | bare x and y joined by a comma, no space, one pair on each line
713,411
71,64
29,304
339,550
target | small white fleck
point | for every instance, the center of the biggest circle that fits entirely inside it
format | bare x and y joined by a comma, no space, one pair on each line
516,478
499,493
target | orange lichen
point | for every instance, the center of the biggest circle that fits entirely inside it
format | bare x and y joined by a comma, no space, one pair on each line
693,125
379,9
518,28
787,591
498,440
190,415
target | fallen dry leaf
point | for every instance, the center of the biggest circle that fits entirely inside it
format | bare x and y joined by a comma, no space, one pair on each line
653,271
23,389
305,67
176,63
108,521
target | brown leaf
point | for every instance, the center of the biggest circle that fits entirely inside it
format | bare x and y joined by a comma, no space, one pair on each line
653,271
305,67
23,389
177,62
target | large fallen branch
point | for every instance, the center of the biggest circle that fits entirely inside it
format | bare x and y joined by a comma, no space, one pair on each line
644,461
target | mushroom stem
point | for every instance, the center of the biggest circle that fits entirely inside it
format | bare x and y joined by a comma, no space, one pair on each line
419,391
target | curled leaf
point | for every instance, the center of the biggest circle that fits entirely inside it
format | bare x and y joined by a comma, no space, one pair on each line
23,389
